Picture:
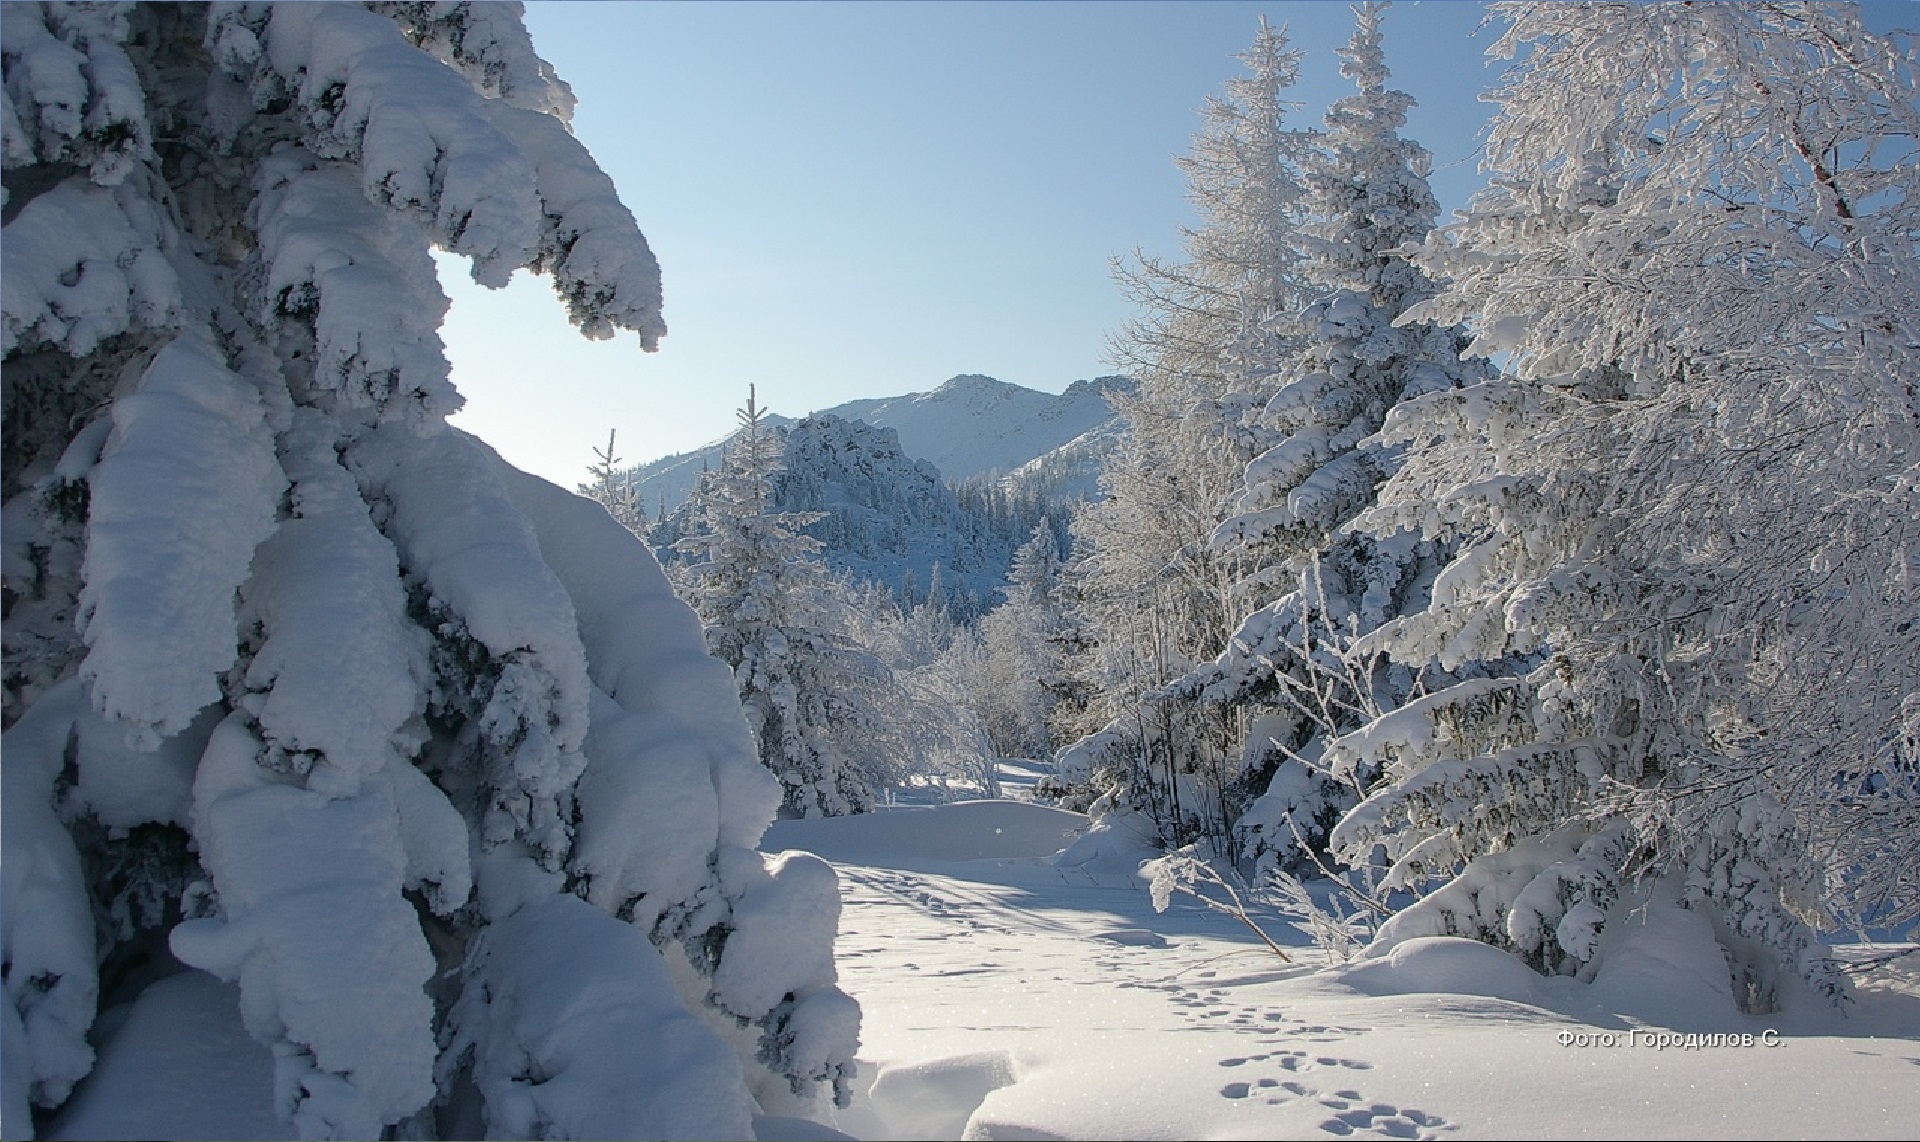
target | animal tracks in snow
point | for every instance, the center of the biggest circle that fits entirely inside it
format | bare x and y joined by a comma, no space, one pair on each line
1350,1112
1385,1121
989,941
1298,1061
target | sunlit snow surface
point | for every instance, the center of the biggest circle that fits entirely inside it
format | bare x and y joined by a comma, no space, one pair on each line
1007,997
1010,997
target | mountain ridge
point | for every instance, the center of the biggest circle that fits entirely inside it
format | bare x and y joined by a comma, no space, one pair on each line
971,426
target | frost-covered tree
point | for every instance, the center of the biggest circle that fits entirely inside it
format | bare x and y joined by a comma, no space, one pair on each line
1022,668
1686,522
935,733
613,490
1242,261
813,700
1157,596
1368,198
1252,721
307,690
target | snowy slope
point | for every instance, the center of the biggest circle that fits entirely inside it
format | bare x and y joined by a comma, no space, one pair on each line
974,425
1008,997
969,426
1071,471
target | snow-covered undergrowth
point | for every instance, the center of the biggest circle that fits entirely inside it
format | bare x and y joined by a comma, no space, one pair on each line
1009,996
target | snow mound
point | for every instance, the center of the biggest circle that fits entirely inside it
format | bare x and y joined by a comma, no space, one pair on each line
1664,964
1114,844
958,831
1452,964
583,1005
936,1099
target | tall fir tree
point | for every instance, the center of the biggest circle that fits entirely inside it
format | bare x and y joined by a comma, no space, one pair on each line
613,490
1234,740
1156,594
1368,199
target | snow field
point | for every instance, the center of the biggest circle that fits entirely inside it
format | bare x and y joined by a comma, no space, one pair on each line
1006,997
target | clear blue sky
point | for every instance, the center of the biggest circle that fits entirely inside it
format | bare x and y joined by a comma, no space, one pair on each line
859,199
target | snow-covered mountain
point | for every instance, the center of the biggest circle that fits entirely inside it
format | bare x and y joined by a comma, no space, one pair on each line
975,425
969,427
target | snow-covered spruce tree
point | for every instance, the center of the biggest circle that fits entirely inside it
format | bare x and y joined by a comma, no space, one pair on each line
1692,508
312,691
1367,198
1021,672
1157,594
812,699
1075,702
1280,688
